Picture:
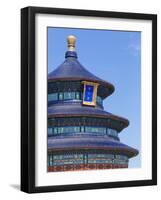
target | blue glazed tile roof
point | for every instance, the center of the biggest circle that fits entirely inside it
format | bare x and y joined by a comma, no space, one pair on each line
71,69
92,142
77,108
80,110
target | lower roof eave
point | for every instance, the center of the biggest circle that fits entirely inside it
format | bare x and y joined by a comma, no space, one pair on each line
131,152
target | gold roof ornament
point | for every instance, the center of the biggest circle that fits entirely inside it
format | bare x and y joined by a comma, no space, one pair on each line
71,39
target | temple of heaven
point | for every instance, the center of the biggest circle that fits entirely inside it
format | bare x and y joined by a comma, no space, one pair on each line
81,134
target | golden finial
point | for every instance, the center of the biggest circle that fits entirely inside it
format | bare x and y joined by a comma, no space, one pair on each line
71,39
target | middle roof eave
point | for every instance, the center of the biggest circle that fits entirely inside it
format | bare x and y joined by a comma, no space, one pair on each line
78,109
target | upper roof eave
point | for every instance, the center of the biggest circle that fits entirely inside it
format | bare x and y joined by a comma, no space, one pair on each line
72,69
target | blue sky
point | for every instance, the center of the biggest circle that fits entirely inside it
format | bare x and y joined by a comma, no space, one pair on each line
115,57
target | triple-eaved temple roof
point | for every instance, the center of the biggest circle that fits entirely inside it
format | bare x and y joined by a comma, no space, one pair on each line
72,70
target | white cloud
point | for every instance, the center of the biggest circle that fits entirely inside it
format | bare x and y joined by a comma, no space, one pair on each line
134,49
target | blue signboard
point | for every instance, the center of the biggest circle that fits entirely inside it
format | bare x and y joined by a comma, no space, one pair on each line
88,96
89,93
